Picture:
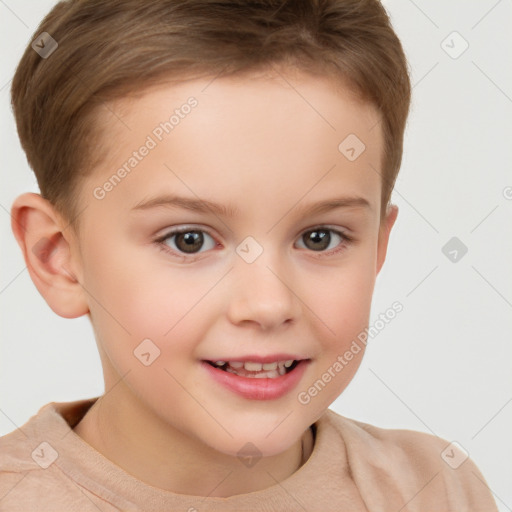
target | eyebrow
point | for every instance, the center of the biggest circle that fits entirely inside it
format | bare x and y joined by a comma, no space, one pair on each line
205,206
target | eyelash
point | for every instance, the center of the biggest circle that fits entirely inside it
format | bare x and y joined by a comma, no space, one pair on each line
346,240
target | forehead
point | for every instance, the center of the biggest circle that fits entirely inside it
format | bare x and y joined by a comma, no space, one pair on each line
222,139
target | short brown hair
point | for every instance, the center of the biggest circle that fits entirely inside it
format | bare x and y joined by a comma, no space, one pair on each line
108,49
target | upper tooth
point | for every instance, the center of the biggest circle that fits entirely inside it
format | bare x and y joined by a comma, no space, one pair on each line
257,367
253,367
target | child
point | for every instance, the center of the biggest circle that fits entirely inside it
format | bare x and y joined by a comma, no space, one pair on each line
254,130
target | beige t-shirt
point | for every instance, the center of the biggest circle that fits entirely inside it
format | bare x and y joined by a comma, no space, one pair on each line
45,466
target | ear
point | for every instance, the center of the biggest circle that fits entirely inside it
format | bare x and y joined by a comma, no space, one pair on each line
39,231
384,231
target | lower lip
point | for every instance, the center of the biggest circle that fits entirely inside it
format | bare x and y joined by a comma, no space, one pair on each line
258,389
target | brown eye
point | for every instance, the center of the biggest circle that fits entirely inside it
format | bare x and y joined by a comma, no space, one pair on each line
317,240
321,240
189,241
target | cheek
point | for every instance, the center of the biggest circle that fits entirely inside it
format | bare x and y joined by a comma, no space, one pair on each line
343,304
343,310
347,304
343,296
135,299
132,291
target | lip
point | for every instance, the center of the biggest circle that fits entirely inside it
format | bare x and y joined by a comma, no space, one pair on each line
261,359
258,389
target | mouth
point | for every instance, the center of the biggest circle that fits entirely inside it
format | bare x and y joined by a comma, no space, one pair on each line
257,380
256,370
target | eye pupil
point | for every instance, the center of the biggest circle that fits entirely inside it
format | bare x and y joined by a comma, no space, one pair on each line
316,236
192,240
189,239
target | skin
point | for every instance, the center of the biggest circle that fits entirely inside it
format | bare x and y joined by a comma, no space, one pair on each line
256,144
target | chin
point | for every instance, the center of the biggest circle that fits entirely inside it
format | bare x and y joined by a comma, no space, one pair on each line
256,443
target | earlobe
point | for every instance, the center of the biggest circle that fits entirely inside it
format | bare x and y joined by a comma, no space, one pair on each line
384,232
38,229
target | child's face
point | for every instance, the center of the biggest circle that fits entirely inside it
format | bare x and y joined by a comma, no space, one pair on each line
269,152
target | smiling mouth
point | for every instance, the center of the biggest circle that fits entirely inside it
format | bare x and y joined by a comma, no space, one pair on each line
254,370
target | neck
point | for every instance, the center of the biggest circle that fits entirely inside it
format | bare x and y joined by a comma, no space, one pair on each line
125,432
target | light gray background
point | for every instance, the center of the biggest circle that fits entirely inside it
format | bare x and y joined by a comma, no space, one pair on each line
443,365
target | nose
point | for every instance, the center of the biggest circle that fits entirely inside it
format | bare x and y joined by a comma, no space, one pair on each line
263,293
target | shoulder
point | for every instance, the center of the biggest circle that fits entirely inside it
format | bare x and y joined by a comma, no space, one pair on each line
21,478
408,462
29,466
412,446
411,442
23,464
16,450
